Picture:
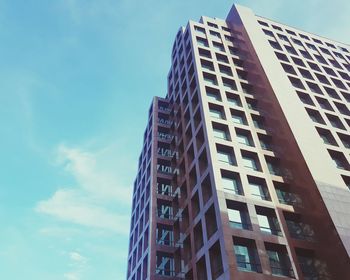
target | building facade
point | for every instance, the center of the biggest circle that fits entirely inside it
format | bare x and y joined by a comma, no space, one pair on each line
244,171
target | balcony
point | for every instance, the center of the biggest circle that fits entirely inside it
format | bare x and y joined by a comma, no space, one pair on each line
249,266
282,271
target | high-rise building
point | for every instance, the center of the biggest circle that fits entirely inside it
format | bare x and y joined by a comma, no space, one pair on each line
244,171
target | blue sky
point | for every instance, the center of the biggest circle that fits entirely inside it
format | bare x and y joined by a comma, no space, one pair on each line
76,81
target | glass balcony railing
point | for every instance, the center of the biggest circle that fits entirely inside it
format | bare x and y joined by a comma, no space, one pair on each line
271,230
241,225
282,271
249,266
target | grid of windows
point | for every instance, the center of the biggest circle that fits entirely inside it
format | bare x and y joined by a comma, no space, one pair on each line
251,174
322,83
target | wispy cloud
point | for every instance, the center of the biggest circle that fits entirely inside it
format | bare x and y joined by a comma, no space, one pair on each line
94,199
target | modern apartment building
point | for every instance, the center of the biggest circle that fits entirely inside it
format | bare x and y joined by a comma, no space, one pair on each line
244,171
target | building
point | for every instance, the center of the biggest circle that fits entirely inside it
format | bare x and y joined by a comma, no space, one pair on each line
244,171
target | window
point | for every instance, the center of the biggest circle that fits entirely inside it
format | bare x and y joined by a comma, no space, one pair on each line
296,82
335,121
204,53
225,70
202,42
262,23
324,104
250,160
339,160
214,34
315,116
244,137
291,50
258,121
314,88
268,32
312,47
277,27
220,131
210,78
238,218
297,228
215,261
281,56
298,61
199,29
305,54
326,136
251,103
238,215
212,24
216,111
310,265
229,84
314,66
246,255
267,221
258,188
273,165
342,108
218,46
305,98
265,142
322,79
213,94
283,38
231,182
233,99
331,92
345,139
164,235
206,64
285,196
238,117
165,264
279,260
221,58
288,68
225,154
275,45
306,74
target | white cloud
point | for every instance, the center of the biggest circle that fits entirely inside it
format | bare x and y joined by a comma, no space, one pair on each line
72,276
76,257
97,199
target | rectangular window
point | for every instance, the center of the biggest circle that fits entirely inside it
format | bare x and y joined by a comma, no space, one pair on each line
225,154
231,182
246,255
279,260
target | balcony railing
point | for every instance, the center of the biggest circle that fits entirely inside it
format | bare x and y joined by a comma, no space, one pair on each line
172,274
164,109
239,225
249,266
273,231
282,271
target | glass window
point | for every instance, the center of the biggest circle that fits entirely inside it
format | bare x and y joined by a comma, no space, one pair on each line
280,264
246,258
243,139
214,113
250,163
226,157
258,191
231,184
268,224
221,134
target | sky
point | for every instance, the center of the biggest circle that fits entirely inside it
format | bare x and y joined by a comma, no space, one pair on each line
76,81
